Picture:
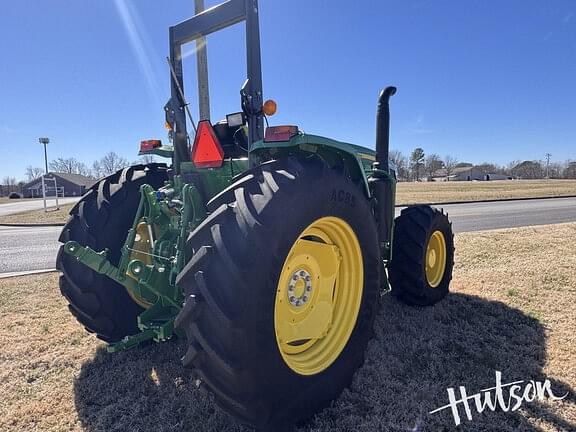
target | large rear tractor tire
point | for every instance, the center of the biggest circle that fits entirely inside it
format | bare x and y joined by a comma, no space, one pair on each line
281,291
422,256
101,220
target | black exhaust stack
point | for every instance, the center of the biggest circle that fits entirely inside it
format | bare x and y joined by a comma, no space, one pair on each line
382,180
383,128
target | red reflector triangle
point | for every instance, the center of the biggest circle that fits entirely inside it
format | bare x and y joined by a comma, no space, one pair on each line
206,150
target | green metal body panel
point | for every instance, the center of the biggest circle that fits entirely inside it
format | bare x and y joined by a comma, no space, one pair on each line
358,160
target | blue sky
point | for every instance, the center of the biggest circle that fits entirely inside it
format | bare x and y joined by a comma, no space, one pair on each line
481,80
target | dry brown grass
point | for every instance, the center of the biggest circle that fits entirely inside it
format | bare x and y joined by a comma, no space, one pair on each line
39,216
427,192
512,309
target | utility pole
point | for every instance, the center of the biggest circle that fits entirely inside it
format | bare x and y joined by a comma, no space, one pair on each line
45,141
202,68
548,156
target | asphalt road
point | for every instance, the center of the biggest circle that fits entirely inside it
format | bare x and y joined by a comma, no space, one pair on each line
18,206
509,214
28,248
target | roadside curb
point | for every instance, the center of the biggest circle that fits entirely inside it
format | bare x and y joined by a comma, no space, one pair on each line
26,273
485,201
32,225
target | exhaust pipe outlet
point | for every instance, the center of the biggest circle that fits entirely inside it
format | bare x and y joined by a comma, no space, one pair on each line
383,128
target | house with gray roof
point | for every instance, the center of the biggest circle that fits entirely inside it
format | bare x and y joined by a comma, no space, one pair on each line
66,184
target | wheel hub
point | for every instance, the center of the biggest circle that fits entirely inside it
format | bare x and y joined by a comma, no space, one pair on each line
299,288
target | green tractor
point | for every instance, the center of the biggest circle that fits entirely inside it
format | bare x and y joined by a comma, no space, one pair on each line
266,248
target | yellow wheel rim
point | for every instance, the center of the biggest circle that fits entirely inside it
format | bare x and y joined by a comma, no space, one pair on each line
318,295
435,259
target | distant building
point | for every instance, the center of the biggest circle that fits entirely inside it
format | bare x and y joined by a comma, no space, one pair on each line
468,174
67,185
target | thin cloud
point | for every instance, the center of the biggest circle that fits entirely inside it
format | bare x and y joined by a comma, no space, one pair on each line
419,128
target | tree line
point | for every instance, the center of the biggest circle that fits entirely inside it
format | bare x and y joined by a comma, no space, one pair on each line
419,166
415,167
105,166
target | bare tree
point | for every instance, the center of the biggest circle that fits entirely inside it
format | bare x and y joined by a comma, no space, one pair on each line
82,169
450,163
487,168
33,172
9,184
511,168
70,166
108,165
63,165
555,169
401,163
433,164
529,170
417,160
570,170
9,181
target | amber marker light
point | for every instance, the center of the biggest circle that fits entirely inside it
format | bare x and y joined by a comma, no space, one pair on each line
269,107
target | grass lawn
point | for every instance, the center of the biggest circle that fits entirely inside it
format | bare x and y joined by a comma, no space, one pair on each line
39,216
512,310
427,192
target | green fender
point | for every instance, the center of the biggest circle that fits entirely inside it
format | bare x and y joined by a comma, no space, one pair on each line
357,160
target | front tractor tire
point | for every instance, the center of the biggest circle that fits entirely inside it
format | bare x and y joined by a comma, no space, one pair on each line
422,256
281,291
101,220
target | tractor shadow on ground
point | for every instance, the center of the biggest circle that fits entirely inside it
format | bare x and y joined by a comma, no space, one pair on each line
416,355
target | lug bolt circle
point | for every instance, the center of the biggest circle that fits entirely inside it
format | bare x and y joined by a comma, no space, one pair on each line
305,277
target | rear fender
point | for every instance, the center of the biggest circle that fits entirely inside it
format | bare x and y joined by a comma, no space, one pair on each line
356,159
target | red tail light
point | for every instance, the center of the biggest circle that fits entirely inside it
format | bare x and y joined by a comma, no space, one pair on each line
280,133
206,150
148,145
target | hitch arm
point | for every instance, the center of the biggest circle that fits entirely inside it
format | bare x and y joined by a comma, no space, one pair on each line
97,261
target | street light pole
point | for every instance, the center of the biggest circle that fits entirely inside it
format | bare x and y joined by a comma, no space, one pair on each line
45,141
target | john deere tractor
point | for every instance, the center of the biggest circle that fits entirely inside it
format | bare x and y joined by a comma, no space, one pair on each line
267,249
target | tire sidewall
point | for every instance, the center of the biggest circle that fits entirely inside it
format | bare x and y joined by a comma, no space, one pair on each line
439,223
305,202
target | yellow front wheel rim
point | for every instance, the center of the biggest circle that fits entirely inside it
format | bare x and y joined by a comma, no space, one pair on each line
318,295
435,259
